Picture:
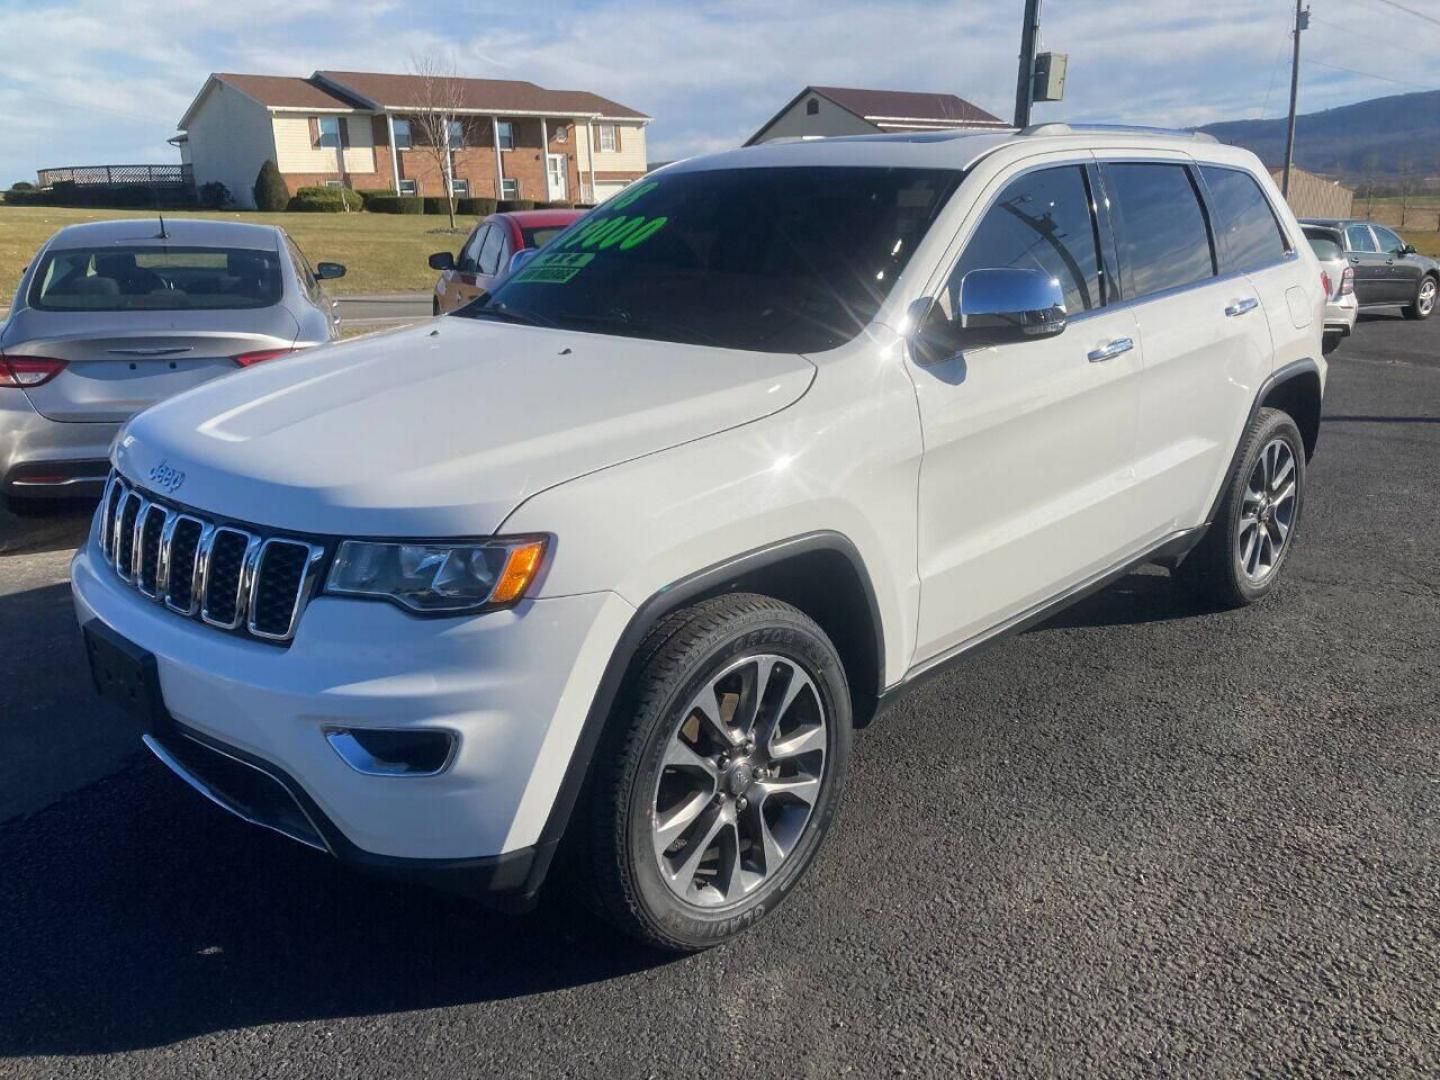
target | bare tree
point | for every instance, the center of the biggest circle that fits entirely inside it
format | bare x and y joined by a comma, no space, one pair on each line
437,117
1407,178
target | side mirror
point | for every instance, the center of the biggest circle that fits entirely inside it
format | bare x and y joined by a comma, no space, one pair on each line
520,258
442,260
1407,249
1004,304
328,271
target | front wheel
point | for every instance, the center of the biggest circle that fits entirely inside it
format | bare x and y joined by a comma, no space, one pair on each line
1424,303
1239,560
721,771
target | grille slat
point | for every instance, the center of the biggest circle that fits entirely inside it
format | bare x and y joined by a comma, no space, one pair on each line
232,578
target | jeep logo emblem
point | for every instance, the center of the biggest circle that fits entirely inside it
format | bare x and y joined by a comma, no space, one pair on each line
166,478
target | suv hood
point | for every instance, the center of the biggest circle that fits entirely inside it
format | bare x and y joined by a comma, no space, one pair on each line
442,429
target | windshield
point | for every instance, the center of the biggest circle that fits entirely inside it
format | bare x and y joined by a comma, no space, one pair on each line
765,259
156,279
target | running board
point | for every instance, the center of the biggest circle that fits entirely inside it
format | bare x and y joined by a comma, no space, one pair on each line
1173,548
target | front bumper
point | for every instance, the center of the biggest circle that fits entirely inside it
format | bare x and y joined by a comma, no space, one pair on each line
514,686
42,458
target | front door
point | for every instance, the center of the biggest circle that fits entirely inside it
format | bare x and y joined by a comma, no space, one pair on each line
1027,485
555,169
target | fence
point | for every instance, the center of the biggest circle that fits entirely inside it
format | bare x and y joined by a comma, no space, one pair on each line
156,176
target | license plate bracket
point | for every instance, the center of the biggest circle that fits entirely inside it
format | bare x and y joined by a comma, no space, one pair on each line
126,675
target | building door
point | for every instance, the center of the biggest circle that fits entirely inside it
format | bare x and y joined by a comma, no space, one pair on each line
555,169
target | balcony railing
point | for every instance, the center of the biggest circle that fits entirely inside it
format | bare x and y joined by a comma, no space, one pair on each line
154,176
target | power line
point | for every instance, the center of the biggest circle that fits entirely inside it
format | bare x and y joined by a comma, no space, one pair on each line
1369,74
1409,11
1368,37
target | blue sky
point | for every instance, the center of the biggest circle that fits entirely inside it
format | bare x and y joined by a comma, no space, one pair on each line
96,81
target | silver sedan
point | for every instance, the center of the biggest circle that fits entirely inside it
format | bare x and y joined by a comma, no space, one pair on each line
113,316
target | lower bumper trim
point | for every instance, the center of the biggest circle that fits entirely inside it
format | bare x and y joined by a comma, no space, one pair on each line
279,803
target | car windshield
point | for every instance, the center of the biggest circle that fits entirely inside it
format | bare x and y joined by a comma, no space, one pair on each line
535,238
153,278
766,259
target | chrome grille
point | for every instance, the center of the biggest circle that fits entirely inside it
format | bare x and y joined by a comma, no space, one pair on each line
229,576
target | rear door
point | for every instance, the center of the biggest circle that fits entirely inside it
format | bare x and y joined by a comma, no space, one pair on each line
1403,278
1251,240
1206,342
1372,268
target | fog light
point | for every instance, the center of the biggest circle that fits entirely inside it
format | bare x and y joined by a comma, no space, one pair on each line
393,752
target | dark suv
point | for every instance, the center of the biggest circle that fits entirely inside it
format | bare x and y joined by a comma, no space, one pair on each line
1388,271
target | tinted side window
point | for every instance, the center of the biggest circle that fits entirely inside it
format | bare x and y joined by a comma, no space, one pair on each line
1358,238
1159,226
303,271
1390,242
1042,221
470,253
1250,237
490,251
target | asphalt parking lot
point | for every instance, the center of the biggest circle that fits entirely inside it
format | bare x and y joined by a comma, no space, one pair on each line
1143,837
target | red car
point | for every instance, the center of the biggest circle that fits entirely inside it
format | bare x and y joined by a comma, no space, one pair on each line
485,256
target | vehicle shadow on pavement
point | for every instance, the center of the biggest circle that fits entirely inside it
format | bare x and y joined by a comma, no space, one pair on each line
137,915
1145,596
60,528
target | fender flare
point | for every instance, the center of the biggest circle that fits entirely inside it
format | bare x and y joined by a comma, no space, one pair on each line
1290,372
694,586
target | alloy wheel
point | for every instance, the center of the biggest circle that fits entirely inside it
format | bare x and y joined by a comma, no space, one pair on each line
1267,511
1426,300
740,779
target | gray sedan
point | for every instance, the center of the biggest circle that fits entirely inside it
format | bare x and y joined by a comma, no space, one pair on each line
113,316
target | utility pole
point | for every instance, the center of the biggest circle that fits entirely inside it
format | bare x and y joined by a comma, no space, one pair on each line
1025,83
1302,22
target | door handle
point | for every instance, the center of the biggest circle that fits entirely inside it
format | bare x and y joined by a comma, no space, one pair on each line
1112,350
1240,307
1355,259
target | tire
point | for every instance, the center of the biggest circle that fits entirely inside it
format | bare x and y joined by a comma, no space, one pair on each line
1224,568
1331,341
681,878
1423,306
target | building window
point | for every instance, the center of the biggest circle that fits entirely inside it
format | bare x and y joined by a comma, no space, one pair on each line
609,138
334,183
509,189
459,188
505,135
328,128
456,133
402,135
409,187
812,107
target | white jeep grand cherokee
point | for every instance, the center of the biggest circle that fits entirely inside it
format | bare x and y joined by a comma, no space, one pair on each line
622,552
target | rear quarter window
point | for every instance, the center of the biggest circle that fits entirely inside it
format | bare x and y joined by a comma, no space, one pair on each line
1160,227
1248,234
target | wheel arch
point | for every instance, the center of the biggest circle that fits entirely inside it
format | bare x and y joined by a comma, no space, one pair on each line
821,573
1296,389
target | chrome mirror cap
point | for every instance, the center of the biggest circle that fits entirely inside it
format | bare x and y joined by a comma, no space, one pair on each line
1026,303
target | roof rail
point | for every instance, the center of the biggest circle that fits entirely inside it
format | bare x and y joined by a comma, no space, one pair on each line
1117,129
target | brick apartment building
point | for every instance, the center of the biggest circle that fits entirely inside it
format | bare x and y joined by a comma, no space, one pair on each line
511,140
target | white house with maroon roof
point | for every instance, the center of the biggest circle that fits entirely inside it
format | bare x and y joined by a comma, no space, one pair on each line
819,112
514,140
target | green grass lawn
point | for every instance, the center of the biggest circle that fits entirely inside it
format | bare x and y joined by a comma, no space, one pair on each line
383,253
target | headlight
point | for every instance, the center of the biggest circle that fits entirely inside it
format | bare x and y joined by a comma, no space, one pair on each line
438,577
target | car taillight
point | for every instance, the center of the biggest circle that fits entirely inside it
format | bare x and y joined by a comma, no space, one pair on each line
23,372
250,359
1347,282
1325,283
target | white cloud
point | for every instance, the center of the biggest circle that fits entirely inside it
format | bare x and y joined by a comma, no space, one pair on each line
97,80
